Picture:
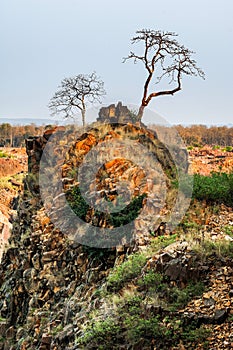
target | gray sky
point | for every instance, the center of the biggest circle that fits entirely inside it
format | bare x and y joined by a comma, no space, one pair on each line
43,41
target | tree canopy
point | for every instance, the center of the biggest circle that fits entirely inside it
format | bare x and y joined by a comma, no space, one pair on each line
163,57
74,93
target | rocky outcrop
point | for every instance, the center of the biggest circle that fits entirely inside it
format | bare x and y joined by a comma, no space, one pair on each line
39,271
47,281
115,114
52,289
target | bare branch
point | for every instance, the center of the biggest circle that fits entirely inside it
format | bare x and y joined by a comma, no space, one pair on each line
74,93
163,57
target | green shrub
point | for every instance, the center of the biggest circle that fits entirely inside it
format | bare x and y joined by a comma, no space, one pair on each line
161,242
228,148
125,272
102,335
5,155
190,334
138,327
129,213
229,230
216,188
151,281
179,298
120,218
77,202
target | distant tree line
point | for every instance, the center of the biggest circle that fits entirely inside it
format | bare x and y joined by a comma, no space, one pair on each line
200,135
15,135
194,135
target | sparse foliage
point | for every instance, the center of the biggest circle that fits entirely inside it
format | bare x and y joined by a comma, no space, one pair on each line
74,93
163,57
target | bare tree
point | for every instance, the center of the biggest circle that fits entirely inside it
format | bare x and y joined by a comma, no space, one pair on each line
163,57
74,93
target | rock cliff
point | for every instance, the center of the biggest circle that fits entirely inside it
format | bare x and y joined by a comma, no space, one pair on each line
56,293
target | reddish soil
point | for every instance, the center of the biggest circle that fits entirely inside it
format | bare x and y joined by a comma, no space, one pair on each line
206,160
16,163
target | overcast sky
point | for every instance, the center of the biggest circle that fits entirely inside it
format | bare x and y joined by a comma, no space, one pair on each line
43,41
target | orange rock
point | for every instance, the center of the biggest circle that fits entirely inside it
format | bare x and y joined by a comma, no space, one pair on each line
45,221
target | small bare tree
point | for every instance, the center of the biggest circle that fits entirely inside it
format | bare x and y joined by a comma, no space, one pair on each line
163,57
74,93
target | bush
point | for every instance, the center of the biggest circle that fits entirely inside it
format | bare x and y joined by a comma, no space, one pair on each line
228,149
125,272
77,202
151,281
220,249
138,327
121,218
102,335
216,188
179,298
5,155
192,335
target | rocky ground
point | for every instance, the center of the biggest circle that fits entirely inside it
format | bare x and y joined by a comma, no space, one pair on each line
207,159
171,291
13,163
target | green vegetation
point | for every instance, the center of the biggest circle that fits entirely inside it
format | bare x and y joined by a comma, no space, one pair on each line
129,213
151,281
228,149
5,182
208,248
172,297
193,333
143,328
136,322
102,335
228,230
135,318
125,272
178,297
217,188
121,218
216,147
161,242
5,155
77,202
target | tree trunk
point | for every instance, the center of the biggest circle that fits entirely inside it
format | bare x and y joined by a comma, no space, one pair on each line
83,117
140,113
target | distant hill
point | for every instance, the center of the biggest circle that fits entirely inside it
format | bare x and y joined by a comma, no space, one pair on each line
28,121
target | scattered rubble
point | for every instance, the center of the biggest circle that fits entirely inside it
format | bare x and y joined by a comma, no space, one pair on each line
206,160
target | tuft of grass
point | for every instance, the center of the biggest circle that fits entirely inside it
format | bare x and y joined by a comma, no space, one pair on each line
228,230
6,155
162,242
125,272
208,248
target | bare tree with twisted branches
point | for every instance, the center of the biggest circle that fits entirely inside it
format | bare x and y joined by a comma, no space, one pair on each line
74,93
163,57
